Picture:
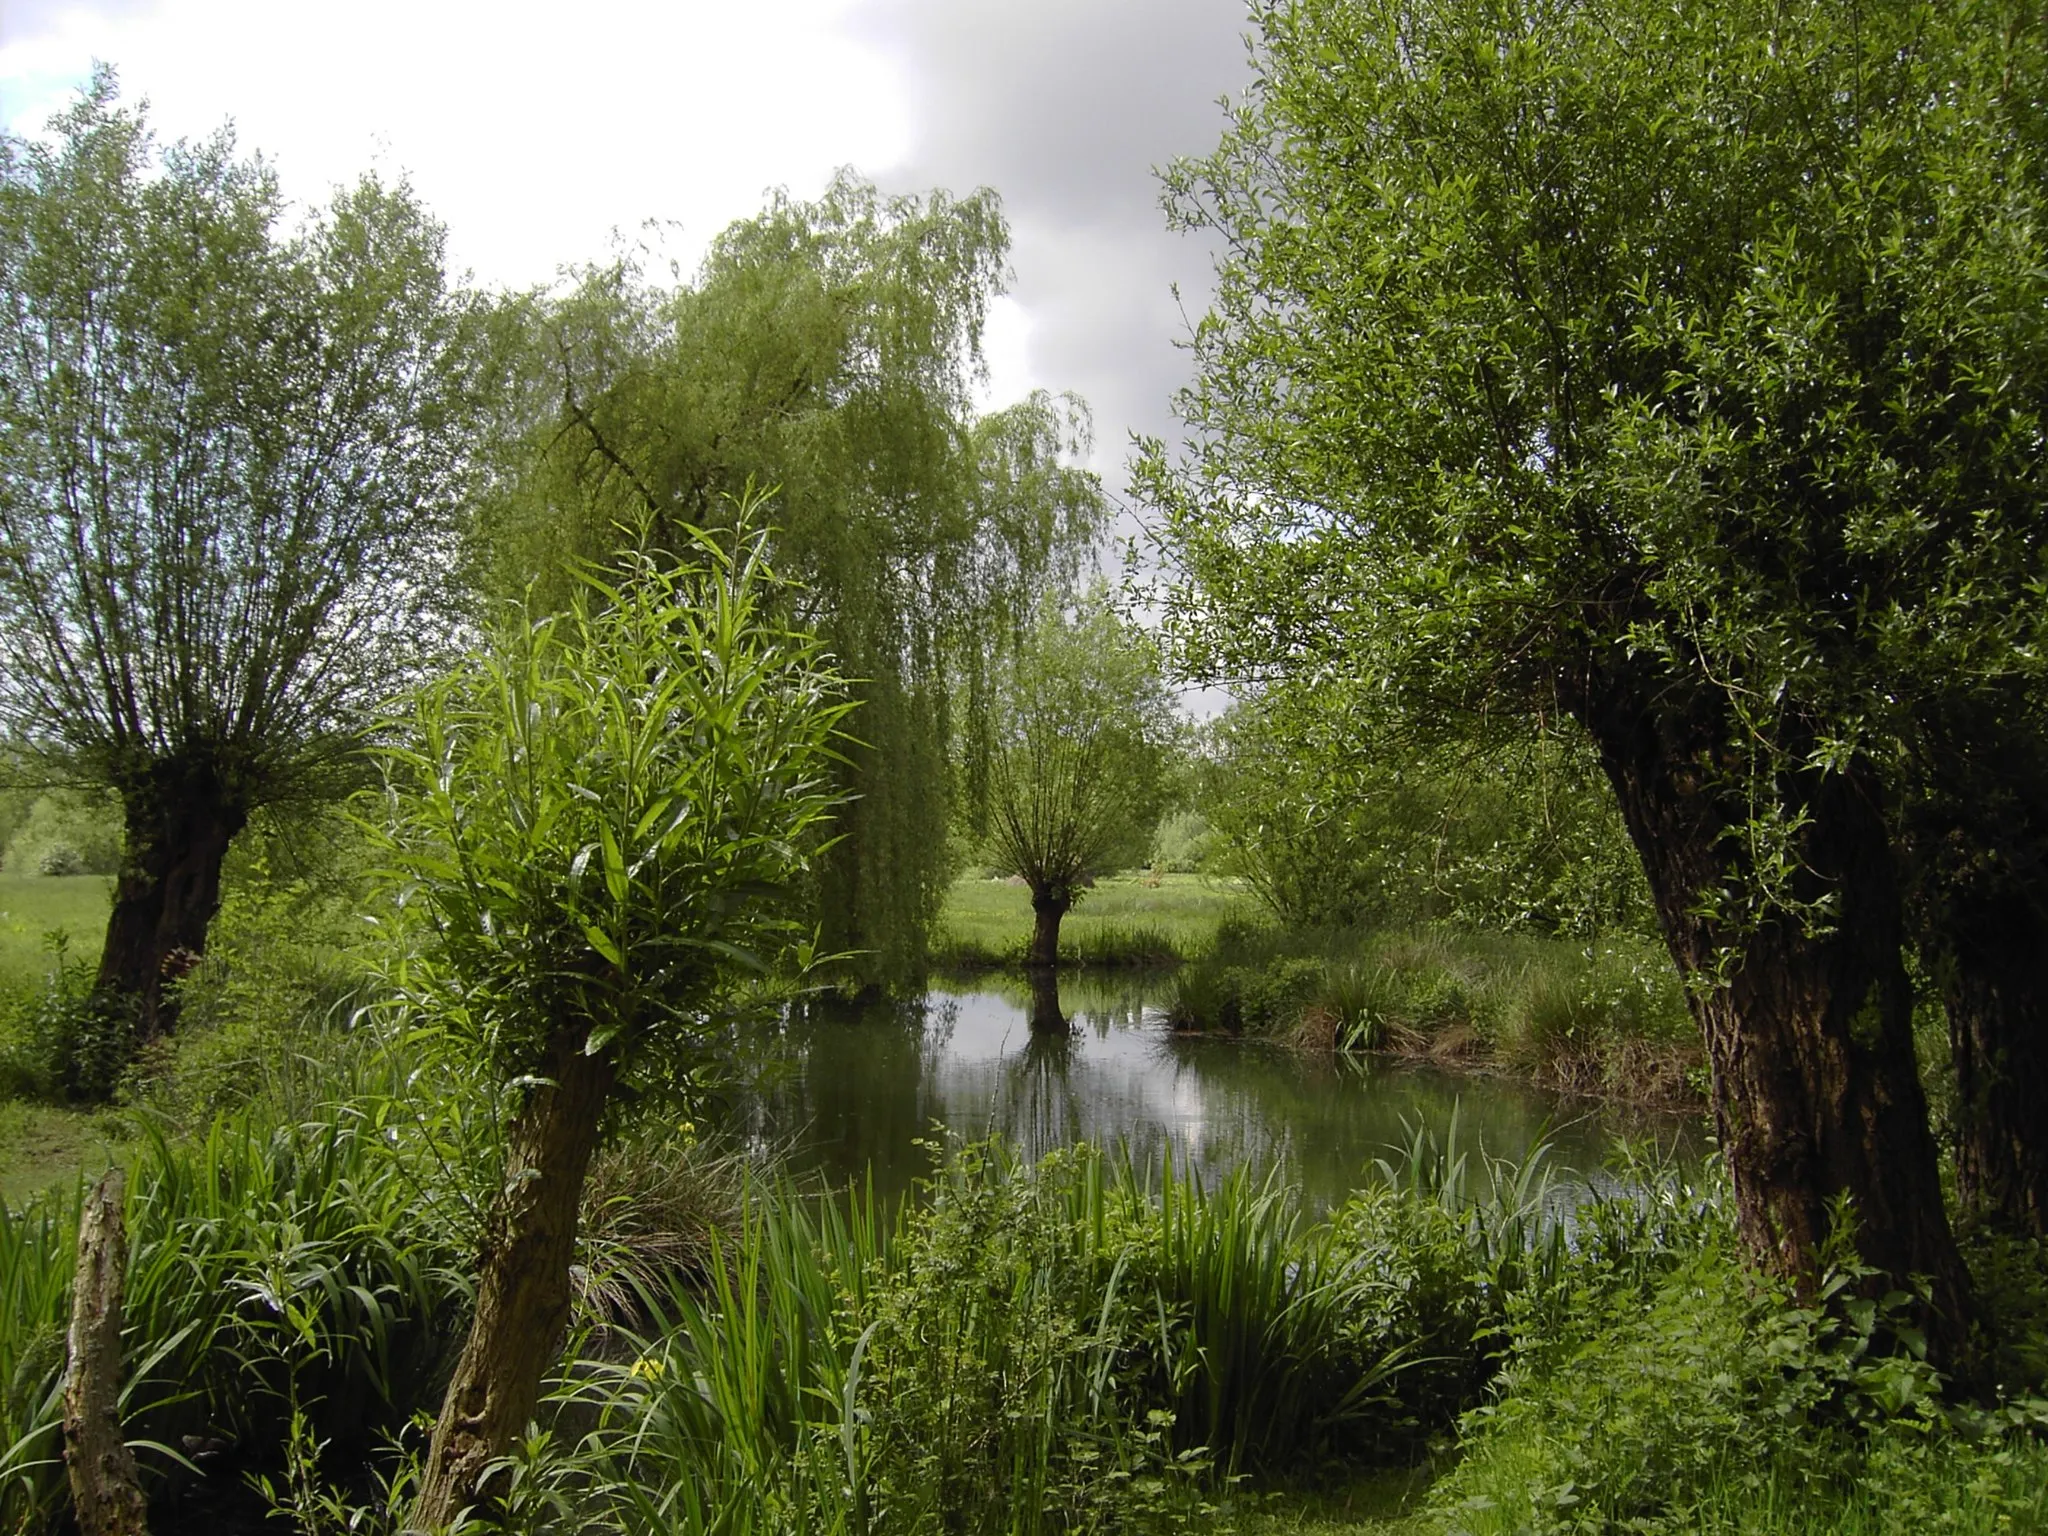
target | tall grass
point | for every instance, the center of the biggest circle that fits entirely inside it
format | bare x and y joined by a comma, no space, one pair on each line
1078,1345
1081,1345
309,1269
1604,1017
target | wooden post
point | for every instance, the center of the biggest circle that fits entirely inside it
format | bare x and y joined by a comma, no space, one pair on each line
105,1490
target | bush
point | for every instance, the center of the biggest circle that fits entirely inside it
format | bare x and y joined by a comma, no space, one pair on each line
1184,844
59,1040
1337,820
1662,1386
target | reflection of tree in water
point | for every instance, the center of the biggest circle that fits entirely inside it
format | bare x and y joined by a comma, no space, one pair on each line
876,1079
1045,1016
1042,1110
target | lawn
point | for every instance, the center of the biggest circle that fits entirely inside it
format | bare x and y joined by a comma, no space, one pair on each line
32,907
1125,919
43,1144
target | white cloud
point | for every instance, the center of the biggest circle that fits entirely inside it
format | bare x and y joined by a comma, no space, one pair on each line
1006,350
534,132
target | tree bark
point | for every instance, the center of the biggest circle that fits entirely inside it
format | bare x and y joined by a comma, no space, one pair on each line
1976,831
1994,986
179,822
1816,1092
106,1491
1047,908
523,1282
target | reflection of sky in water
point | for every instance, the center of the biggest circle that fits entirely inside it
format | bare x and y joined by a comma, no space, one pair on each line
872,1084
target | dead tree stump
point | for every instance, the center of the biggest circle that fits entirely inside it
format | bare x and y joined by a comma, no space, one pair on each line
105,1489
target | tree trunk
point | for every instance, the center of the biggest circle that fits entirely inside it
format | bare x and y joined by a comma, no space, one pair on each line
1816,1092
106,1492
1994,986
523,1282
1977,835
1048,906
178,825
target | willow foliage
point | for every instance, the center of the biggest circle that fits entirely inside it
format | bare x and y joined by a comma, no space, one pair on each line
826,350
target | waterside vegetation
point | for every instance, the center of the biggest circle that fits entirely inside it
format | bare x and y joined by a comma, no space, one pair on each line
1080,1345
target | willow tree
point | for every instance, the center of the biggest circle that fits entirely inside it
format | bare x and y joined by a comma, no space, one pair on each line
227,464
828,351
1081,729
599,823
1678,369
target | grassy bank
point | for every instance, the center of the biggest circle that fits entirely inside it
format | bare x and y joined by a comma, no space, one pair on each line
1132,919
1603,1017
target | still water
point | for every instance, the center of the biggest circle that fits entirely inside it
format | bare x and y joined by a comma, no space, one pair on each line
869,1088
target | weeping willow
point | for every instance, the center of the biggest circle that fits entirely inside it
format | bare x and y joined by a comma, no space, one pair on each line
825,352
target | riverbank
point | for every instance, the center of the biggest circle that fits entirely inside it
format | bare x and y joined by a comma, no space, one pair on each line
1603,1018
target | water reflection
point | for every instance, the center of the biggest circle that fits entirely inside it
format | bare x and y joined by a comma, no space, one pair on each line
987,1058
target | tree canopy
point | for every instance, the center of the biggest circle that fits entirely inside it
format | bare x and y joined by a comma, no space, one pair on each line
826,352
1679,370
229,470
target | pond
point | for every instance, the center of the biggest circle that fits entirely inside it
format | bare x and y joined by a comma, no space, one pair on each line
870,1085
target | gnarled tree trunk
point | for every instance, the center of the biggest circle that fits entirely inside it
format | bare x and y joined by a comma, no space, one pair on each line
178,823
1816,1093
1048,906
523,1281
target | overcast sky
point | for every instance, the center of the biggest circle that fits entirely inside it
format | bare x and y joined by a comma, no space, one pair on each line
536,132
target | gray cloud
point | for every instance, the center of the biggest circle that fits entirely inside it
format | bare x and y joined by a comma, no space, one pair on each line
1065,107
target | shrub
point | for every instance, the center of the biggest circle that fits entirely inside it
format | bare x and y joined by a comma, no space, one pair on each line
1184,844
60,859
58,1039
1661,1386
